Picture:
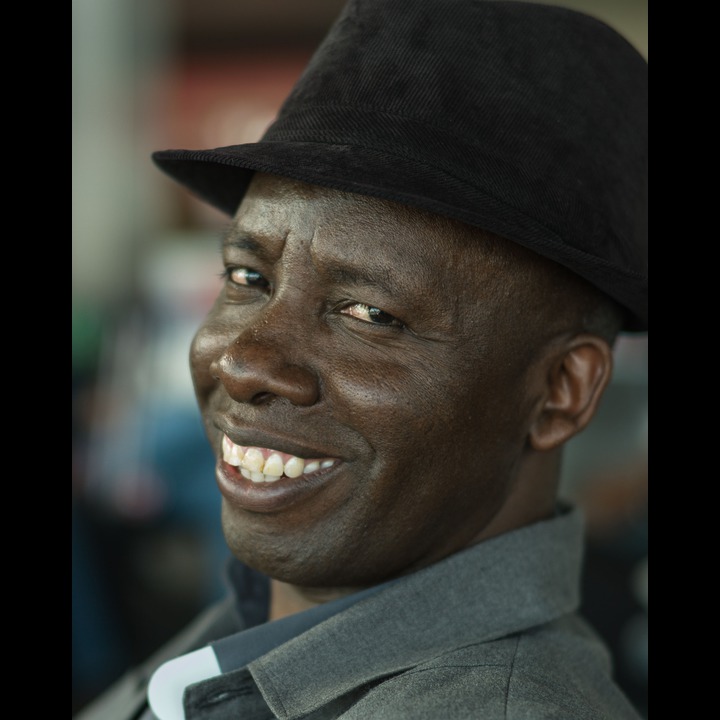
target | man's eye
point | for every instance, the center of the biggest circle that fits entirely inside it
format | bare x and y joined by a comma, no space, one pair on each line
246,276
371,314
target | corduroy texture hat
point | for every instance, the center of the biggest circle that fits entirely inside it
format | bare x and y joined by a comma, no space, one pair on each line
525,119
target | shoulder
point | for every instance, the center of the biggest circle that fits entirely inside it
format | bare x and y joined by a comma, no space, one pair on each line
559,671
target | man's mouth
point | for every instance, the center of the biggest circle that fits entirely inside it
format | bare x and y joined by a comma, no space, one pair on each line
267,465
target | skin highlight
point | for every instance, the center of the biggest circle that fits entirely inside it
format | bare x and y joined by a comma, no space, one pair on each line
443,366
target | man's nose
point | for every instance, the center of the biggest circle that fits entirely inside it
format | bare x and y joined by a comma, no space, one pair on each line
262,363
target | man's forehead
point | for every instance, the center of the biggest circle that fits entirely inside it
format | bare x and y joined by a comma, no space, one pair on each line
287,193
359,223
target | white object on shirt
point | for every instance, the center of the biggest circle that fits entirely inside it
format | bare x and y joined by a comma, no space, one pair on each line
168,683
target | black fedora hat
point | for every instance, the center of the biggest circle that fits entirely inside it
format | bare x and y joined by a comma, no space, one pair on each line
528,120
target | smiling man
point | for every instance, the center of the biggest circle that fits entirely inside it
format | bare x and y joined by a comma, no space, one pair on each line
430,256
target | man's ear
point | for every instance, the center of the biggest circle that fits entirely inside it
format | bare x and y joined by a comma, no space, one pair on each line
579,373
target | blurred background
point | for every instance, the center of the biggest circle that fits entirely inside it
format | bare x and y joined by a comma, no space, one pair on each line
147,549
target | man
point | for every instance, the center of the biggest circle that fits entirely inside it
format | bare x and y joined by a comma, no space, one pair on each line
431,253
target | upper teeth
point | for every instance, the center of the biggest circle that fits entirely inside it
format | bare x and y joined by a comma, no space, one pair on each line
265,465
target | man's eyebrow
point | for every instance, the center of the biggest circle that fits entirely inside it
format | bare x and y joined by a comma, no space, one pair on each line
239,240
343,273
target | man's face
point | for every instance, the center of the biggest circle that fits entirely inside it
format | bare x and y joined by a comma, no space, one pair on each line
373,350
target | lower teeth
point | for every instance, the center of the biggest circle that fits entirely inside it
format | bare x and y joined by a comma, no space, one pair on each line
258,477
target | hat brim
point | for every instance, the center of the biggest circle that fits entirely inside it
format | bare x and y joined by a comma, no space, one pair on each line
221,176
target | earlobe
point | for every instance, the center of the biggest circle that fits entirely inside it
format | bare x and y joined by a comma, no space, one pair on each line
575,384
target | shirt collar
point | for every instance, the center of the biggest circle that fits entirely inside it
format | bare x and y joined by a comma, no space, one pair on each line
237,650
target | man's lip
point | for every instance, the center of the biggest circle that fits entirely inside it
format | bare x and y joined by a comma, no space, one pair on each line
270,497
252,437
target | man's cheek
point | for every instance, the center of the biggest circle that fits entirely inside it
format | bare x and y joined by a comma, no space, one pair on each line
400,414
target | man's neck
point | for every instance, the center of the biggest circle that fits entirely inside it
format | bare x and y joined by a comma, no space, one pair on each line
286,599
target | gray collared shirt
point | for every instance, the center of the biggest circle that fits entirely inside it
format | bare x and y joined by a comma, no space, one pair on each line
491,632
